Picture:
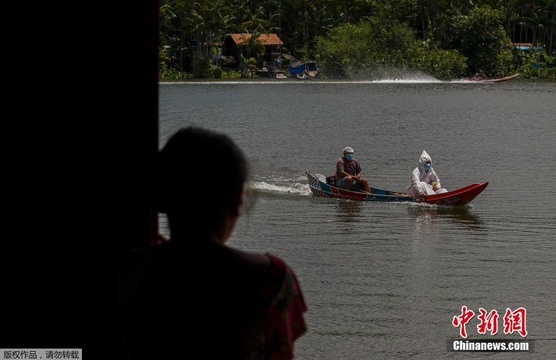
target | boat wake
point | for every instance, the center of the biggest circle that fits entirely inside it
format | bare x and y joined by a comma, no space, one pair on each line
296,188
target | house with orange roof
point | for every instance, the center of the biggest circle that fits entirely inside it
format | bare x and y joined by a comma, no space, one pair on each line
266,49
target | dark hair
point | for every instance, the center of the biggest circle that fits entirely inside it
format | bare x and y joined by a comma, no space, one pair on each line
200,170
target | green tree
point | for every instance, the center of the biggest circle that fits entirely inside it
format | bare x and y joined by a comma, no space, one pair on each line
379,47
432,31
482,39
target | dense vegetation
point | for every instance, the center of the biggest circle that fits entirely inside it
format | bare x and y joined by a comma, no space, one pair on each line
447,39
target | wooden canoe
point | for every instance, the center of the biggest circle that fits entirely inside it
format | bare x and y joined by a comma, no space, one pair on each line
456,197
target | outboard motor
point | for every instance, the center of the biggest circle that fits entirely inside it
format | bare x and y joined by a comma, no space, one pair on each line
331,180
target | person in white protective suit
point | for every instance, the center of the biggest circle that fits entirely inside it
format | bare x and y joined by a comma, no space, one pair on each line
424,180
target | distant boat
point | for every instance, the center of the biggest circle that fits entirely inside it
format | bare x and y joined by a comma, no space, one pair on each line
483,80
304,70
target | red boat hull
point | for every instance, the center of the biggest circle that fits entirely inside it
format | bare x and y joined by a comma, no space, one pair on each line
460,196
505,78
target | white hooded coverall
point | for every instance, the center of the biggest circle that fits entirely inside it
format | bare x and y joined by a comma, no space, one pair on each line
421,181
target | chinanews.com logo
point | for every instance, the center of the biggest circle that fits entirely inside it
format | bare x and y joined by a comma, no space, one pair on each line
513,321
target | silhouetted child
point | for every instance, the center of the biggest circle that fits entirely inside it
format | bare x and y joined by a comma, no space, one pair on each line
193,296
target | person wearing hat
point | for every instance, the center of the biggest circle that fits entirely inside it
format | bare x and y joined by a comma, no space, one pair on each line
423,180
348,172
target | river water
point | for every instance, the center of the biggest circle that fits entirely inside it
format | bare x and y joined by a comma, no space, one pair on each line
384,281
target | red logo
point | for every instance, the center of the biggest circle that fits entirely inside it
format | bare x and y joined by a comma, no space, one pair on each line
514,321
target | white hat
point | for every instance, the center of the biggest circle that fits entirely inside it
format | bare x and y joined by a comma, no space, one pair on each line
347,149
425,157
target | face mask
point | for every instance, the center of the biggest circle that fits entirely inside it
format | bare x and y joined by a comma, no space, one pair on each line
427,166
349,156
